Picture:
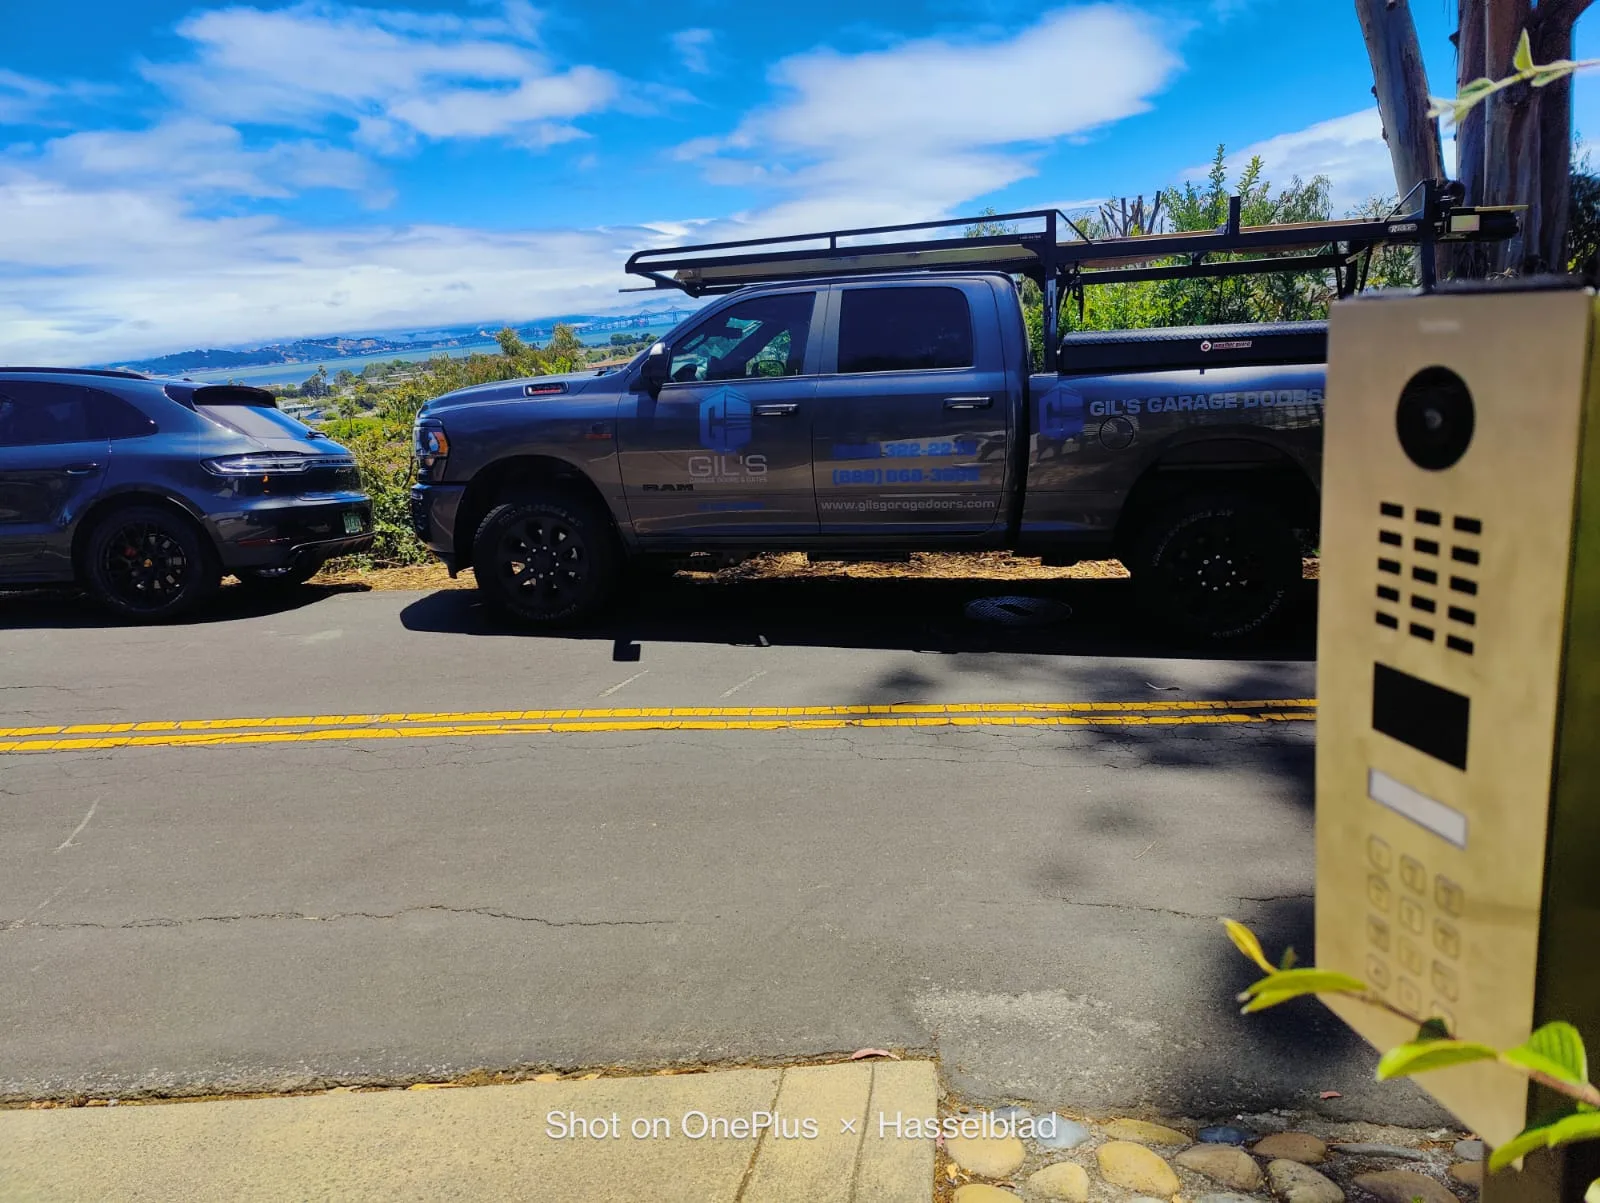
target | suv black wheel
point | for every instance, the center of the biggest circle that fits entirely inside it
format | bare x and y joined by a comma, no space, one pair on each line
546,560
269,580
148,563
1214,566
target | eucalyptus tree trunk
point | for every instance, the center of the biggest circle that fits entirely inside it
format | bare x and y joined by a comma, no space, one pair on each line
1400,83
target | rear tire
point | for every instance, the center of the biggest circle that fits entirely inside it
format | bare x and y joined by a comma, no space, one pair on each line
146,563
546,561
1214,567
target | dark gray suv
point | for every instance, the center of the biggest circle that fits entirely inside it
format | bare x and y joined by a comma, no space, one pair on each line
145,492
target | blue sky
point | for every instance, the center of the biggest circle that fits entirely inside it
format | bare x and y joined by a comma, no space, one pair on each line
177,174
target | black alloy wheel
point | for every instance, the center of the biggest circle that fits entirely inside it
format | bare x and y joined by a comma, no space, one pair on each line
147,563
1215,567
545,561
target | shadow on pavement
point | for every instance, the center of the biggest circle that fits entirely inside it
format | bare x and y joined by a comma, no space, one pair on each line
898,613
67,609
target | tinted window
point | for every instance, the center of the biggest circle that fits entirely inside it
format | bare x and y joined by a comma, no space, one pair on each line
254,420
904,329
34,413
764,336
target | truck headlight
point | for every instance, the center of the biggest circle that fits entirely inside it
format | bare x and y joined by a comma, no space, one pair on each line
432,446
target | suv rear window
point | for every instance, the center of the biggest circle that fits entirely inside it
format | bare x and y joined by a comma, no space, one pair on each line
254,420
904,329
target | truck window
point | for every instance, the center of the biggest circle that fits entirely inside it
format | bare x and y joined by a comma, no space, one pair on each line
904,329
764,336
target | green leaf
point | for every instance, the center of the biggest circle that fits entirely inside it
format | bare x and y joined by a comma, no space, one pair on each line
1421,1056
1245,941
1555,1049
1583,1126
1522,60
1592,1195
1289,959
1292,982
1518,1146
1262,1001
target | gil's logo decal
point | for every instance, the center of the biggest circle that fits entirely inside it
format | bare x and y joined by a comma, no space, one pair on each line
725,421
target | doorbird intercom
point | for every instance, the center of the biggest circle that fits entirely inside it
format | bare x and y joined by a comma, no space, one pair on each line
1458,653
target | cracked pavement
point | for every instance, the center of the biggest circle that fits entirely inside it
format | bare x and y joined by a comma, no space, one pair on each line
1037,906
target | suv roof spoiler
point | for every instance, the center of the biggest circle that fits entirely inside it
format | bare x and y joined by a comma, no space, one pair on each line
1060,264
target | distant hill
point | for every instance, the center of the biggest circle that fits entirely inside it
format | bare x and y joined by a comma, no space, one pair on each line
311,351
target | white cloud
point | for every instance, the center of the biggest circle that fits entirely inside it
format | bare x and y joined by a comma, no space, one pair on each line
26,100
1349,150
98,273
397,75
910,131
693,48
198,157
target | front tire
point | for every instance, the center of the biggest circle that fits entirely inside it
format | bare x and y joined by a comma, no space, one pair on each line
546,561
1214,567
147,563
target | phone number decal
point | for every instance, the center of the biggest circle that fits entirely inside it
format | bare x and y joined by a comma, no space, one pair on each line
904,476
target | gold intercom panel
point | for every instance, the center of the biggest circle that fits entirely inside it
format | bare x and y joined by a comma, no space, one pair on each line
1458,742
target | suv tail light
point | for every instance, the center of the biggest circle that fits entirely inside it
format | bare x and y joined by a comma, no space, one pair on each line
266,463
432,446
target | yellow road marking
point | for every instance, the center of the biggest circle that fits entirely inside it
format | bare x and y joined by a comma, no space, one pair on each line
1283,711
672,712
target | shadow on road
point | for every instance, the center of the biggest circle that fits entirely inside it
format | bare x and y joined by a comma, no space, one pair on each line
67,609
898,613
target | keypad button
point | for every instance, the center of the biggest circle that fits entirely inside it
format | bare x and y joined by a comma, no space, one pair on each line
1413,875
1445,981
1449,897
1378,894
1446,939
1410,957
1378,933
1411,916
1379,854
1410,996
1377,972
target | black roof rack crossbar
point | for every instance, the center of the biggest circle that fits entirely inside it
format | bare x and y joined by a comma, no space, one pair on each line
1059,265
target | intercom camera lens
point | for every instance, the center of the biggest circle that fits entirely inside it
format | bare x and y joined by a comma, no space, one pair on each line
1435,418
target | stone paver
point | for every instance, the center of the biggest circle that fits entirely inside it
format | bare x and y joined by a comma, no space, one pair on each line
1292,1146
986,1156
893,1170
1226,1164
1066,1180
817,1169
1377,1150
1068,1134
1405,1186
1126,1164
982,1192
1297,1183
1145,1133
1468,1150
1226,1134
1468,1173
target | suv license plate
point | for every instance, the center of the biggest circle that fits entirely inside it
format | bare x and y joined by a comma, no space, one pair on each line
352,522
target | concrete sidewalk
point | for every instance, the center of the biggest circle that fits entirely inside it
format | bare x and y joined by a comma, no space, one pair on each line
698,1138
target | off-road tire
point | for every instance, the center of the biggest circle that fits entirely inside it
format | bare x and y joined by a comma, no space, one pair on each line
1214,567
548,560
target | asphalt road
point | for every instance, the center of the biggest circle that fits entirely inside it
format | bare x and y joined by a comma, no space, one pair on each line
1036,903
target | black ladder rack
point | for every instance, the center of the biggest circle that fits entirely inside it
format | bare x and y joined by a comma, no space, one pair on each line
1059,265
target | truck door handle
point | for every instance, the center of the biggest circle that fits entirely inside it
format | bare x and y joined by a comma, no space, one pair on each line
968,402
777,409
81,469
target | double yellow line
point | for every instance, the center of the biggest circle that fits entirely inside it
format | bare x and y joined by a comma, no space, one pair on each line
214,732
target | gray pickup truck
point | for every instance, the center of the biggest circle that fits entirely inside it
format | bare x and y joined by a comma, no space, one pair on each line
878,399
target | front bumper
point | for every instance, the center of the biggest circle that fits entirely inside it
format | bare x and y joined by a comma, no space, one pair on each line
433,517
277,532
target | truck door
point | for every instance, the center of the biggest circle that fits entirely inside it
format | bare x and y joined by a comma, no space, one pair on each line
725,449
53,456
912,411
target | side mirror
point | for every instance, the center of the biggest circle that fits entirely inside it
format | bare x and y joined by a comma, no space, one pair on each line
656,369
